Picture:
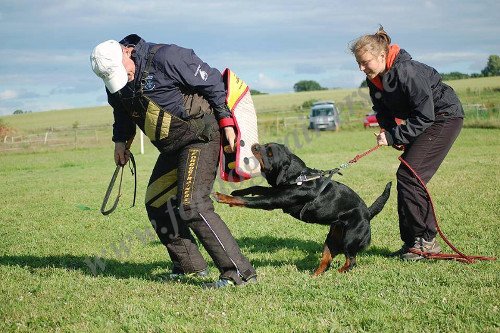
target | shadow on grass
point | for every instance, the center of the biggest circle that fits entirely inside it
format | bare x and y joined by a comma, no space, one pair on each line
87,265
312,251
96,266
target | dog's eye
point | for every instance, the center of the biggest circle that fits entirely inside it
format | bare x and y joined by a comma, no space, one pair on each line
269,152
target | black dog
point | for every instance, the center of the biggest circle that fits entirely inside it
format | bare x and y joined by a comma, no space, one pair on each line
295,189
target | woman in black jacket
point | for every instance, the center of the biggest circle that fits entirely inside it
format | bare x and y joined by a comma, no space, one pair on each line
433,117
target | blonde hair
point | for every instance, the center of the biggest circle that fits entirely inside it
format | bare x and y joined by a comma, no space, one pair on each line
375,43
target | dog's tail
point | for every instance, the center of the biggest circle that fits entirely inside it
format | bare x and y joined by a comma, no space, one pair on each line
377,206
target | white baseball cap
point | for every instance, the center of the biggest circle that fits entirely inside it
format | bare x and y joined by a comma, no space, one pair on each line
107,62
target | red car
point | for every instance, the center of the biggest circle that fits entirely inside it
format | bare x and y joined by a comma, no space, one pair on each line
371,120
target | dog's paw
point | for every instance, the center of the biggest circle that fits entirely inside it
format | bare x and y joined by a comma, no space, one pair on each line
227,199
219,197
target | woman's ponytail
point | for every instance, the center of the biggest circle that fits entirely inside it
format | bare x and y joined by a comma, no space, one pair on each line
374,43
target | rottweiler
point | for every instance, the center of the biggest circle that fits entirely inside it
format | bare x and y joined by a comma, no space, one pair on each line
311,196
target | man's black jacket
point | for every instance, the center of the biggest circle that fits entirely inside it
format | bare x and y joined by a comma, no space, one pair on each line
175,72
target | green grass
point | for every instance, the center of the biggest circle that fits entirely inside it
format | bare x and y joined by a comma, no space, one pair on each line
47,233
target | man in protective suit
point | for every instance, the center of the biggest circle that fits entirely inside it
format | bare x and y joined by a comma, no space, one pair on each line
179,102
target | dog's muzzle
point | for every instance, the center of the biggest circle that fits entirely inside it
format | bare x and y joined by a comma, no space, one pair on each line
256,151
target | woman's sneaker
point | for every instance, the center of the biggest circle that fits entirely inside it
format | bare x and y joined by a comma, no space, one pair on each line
421,245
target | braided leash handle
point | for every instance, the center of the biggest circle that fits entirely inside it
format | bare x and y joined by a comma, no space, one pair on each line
369,151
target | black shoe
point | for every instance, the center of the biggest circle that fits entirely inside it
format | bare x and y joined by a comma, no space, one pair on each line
223,283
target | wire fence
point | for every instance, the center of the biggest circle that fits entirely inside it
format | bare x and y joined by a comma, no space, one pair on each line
271,122
57,137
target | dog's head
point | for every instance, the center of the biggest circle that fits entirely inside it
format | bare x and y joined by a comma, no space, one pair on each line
277,163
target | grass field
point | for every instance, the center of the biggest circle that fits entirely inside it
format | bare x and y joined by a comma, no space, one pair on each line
51,230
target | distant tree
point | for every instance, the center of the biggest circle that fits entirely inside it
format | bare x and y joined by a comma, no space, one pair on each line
454,76
18,111
363,84
256,92
492,67
307,85
307,104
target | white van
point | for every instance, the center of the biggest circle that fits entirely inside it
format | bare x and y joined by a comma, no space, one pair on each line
324,116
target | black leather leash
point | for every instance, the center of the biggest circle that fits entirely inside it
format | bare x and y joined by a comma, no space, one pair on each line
303,177
112,184
132,167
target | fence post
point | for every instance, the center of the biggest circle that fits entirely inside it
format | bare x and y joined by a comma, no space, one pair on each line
45,140
142,143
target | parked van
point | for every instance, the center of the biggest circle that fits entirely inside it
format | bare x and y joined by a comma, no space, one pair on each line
324,116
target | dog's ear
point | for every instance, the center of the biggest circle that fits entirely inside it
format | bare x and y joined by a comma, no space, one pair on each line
293,162
286,155
282,177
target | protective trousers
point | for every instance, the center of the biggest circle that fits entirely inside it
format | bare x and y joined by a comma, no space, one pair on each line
178,199
424,155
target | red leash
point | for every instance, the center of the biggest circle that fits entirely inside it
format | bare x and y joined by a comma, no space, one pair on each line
459,256
360,156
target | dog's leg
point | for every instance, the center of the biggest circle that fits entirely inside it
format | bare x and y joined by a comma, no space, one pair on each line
326,260
350,262
332,247
284,198
253,190
227,199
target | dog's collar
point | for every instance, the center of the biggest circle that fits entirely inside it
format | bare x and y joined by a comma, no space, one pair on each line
306,177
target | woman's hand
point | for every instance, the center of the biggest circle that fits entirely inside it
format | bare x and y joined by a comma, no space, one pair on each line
381,139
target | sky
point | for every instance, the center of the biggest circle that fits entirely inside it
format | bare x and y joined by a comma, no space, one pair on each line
271,45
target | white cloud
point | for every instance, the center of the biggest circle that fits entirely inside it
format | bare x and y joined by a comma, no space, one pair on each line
445,62
41,56
267,83
8,94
